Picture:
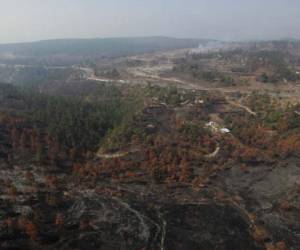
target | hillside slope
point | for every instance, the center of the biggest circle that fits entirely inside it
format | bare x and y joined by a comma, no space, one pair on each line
98,46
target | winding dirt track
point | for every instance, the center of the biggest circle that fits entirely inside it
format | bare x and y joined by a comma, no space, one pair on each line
215,153
189,85
247,109
119,154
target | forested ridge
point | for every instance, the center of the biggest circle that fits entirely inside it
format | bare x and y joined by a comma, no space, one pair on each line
67,124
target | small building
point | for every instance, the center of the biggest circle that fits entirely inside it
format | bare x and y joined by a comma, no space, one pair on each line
215,128
224,130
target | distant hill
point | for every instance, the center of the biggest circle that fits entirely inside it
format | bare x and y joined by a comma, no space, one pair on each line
110,47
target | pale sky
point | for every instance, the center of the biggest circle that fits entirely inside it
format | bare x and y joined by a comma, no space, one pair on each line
30,20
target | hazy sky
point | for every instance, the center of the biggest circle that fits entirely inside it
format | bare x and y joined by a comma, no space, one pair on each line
27,20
